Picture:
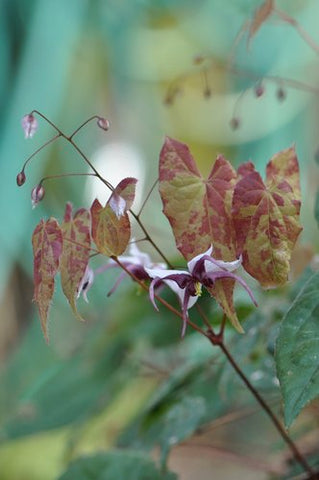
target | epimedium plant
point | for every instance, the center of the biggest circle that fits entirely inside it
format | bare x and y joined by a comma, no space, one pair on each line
229,220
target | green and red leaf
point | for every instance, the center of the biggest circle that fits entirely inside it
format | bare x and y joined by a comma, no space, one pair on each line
199,211
110,232
47,248
266,219
75,253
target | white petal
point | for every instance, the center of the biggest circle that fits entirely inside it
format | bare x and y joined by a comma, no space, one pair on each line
162,272
221,265
191,264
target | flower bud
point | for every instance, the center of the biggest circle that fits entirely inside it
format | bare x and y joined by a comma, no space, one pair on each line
29,124
281,94
235,123
21,178
103,123
259,90
37,195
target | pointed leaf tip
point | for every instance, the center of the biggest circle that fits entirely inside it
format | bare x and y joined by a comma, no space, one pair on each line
199,211
75,253
47,244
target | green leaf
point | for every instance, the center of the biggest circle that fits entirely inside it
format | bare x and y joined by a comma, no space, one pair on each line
297,351
116,465
180,423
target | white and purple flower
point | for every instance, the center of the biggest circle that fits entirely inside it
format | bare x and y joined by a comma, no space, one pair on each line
136,262
203,270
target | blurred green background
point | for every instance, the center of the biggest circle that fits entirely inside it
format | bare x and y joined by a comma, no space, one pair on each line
124,379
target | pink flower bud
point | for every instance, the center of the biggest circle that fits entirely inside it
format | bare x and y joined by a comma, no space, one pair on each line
259,90
21,178
37,195
29,124
103,123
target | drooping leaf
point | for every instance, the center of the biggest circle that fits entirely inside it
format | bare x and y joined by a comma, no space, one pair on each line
123,196
126,190
266,219
75,253
111,231
260,16
116,465
47,248
199,211
297,347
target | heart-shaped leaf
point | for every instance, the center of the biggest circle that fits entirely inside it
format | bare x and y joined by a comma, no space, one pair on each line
199,211
47,248
111,229
266,219
75,253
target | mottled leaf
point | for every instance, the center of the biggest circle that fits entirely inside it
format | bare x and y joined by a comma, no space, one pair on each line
116,465
260,16
47,248
123,196
111,231
266,219
297,351
75,253
199,211
284,165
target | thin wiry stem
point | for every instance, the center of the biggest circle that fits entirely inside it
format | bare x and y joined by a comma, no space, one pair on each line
39,150
301,31
62,175
83,125
147,197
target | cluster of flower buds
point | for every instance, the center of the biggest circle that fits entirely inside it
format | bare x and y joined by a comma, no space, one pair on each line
30,125
259,90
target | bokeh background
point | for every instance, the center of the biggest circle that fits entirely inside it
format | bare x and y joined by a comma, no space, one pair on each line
124,378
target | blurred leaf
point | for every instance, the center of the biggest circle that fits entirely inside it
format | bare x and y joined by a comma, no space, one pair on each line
180,422
116,465
254,353
44,391
297,347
